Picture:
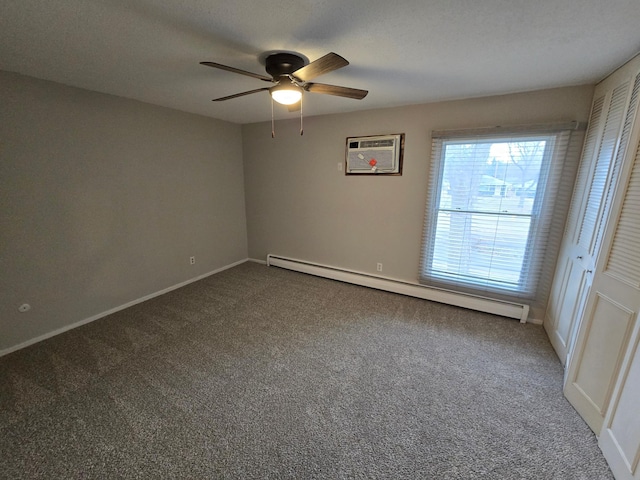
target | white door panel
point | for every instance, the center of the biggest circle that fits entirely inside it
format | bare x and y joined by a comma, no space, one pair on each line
597,176
592,318
620,436
567,305
567,295
605,334
603,330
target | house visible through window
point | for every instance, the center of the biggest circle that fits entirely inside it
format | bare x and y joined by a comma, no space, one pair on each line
489,210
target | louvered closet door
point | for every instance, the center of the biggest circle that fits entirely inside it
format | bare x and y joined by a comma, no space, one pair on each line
597,175
618,296
613,299
567,293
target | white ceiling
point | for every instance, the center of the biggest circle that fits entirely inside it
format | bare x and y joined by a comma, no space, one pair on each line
403,52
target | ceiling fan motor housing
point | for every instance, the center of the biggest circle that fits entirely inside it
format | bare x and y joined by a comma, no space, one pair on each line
280,64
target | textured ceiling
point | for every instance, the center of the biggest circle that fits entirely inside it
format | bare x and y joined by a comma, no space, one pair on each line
406,52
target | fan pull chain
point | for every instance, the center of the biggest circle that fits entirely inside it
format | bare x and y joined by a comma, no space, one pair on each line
273,128
301,128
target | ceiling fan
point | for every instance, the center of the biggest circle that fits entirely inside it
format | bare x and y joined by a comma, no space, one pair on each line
291,77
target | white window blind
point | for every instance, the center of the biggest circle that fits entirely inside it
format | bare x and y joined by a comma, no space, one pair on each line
490,209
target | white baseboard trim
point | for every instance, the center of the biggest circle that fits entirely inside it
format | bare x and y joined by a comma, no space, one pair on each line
488,305
58,331
257,260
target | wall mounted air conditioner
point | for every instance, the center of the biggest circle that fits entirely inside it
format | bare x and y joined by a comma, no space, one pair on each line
378,155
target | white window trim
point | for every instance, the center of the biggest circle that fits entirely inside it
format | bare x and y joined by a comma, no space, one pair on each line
547,223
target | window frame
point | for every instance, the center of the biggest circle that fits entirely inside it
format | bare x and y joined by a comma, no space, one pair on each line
558,138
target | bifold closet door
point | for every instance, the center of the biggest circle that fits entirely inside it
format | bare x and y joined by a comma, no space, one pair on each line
618,293
608,326
596,179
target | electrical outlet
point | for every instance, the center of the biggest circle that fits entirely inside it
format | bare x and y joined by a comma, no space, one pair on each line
192,260
379,267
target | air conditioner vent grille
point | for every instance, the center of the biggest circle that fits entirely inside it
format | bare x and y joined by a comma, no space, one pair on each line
377,155
377,143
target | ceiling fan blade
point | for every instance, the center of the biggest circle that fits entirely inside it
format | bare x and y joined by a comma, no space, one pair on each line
237,70
236,95
335,90
328,63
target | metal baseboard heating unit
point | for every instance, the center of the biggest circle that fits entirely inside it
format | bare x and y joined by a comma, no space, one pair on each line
488,305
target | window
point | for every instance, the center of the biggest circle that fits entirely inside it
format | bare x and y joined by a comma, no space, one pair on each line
490,209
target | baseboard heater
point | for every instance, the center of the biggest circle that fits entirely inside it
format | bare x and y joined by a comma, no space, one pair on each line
482,304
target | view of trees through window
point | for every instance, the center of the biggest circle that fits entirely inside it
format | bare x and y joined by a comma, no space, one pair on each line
486,208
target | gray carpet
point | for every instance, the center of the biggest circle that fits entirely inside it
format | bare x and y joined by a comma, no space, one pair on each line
259,372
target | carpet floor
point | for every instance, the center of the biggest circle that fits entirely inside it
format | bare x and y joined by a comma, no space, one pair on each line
258,372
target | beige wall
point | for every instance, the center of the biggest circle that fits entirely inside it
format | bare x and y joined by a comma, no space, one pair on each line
103,200
299,205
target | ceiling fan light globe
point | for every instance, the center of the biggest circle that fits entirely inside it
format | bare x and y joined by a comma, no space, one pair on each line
286,95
